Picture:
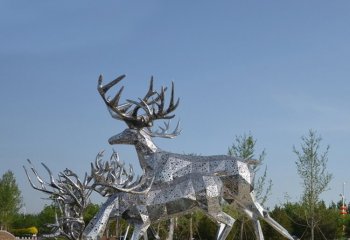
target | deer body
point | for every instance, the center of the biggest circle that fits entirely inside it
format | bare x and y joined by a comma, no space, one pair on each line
175,183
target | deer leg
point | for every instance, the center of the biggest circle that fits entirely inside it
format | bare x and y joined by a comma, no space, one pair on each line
265,215
276,225
97,225
257,229
145,235
212,207
154,233
140,230
254,210
225,225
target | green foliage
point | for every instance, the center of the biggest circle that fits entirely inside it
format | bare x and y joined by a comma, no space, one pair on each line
311,167
90,211
46,216
182,227
117,228
25,221
280,215
206,229
24,232
10,199
292,217
244,147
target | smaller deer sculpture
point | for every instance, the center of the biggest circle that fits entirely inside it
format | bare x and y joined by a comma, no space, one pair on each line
70,195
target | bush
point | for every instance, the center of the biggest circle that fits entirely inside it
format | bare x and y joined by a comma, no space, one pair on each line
30,231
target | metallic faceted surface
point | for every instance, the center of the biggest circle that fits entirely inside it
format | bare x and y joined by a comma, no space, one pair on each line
171,185
174,184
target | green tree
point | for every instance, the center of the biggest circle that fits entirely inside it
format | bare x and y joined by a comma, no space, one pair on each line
25,221
47,216
10,199
90,211
311,167
291,216
244,147
279,214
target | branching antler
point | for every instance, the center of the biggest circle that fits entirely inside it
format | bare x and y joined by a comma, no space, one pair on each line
112,176
70,228
164,131
71,197
152,104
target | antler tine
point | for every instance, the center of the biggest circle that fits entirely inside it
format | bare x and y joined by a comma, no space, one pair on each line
43,184
153,106
103,89
164,131
115,110
98,163
114,102
173,106
67,174
42,189
144,104
161,98
52,180
150,92
109,178
161,113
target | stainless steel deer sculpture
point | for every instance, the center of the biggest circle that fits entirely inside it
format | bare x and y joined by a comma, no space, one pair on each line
70,195
173,184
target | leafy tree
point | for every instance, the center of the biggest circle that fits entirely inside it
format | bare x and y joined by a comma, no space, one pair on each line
10,199
311,167
291,216
47,216
244,147
90,211
279,214
25,221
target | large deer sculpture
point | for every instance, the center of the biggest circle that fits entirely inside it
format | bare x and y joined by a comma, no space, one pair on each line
173,184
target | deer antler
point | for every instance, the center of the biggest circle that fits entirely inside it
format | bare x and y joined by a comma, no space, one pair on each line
164,131
71,197
56,189
152,104
112,176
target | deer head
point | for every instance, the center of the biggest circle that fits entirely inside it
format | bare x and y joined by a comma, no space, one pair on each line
152,108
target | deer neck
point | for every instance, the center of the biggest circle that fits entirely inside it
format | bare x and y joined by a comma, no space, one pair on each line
146,149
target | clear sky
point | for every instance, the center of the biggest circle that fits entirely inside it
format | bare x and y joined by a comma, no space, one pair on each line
272,68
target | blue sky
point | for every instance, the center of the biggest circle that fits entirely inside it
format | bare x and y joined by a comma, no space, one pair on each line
272,68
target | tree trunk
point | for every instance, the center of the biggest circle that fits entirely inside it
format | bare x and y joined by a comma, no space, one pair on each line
117,228
312,230
191,232
171,229
242,229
